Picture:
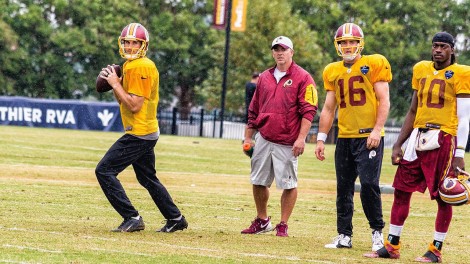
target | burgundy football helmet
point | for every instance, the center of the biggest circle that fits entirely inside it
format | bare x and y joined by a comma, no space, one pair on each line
134,31
349,31
456,191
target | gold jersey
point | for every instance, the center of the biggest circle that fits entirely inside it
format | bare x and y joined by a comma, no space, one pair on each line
355,95
141,78
437,90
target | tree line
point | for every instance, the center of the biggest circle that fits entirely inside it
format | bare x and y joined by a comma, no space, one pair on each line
55,48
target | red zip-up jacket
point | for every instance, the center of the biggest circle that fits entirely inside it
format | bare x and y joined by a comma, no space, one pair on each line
277,109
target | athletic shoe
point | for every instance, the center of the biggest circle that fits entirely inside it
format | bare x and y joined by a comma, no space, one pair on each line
433,255
259,226
281,229
341,241
387,251
377,240
174,225
130,225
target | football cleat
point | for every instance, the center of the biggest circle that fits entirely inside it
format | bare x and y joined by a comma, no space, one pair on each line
130,225
174,225
387,251
433,255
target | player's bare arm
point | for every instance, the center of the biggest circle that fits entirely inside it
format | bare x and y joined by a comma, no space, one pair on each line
382,93
326,121
131,101
407,128
115,96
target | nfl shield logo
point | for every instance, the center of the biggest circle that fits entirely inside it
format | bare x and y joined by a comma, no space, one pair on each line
365,69
449,74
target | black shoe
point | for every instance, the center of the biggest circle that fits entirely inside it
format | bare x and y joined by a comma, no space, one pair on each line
174,225
130,225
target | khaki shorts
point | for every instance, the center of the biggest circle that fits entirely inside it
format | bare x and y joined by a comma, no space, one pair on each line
273,161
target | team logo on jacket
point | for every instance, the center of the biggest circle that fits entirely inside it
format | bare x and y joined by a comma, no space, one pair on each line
365,69
287,83
449,74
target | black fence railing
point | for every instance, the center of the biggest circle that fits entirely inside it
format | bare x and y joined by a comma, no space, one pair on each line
200,123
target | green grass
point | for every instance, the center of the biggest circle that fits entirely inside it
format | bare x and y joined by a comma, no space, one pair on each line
52,209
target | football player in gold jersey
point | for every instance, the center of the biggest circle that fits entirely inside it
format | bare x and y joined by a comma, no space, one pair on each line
137,94
358,87
438,113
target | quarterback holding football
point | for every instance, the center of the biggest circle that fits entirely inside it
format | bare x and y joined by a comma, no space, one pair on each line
137,94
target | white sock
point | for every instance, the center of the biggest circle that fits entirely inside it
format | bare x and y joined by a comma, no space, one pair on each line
439,236
136,217
395,230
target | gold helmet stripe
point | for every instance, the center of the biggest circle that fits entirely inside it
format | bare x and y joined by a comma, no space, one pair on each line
347,29
132,29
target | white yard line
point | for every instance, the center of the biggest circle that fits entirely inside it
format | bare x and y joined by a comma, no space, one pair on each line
32,248
16,261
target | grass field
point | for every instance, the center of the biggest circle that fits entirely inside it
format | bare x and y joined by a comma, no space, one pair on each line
52,209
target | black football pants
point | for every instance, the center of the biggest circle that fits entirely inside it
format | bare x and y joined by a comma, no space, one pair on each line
353,159
130,150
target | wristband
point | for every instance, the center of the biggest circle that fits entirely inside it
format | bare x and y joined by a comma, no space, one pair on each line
459,153
321,136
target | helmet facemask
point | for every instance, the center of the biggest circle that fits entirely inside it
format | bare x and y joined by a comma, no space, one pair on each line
356,49
135,53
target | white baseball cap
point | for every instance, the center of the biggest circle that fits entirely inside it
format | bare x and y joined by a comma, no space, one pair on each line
285,42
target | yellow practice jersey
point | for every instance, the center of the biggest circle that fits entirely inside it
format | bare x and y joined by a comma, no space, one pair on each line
142,79
437,90
355,95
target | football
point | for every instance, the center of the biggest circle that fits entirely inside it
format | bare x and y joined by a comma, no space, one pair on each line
455,191
102,85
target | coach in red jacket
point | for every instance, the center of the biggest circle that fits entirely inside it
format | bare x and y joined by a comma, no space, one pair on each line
282,110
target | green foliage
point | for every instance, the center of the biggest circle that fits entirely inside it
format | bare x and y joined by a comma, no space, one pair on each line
9,57
250,50
64,44
55,48
183,53
399,30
